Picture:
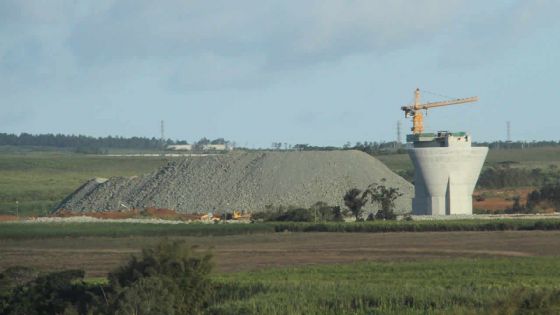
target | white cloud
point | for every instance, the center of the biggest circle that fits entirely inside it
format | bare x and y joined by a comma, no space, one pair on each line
222,43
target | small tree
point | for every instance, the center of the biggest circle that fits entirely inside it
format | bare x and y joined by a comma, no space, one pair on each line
385,197
355,199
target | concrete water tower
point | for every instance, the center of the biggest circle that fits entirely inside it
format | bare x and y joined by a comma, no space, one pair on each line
446,165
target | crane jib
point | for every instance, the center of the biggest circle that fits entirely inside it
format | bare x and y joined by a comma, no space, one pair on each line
414,110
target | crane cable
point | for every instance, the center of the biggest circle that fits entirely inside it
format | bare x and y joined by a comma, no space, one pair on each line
440,95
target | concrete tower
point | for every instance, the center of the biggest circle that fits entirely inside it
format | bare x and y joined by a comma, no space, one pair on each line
446,170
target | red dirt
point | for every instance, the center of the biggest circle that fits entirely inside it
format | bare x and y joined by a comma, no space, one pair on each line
500,199
156,213
5,218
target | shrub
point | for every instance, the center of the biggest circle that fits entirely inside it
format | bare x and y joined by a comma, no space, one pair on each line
169,271
167,279
55,293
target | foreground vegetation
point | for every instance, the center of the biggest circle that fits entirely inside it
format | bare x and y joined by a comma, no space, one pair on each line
172,279
494,286
107,229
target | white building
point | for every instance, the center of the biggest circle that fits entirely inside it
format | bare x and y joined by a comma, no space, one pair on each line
217,147
180,147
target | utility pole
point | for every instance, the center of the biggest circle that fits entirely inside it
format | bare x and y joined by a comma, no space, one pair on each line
17,209
162,132
162,138
508,130
398,144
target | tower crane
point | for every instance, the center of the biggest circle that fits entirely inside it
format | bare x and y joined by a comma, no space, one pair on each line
415,110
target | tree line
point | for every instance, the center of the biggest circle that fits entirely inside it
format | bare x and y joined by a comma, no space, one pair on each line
504,175
77,141
87,144
518,144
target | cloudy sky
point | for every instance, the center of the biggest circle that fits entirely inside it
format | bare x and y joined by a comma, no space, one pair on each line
320,72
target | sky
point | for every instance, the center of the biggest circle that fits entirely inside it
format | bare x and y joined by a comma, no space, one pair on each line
320,72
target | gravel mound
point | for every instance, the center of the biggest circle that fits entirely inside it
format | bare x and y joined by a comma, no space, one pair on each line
242,181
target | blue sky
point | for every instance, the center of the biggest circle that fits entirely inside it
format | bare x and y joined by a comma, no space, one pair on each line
320,72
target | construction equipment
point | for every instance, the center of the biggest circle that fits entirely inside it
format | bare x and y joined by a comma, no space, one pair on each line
415,110
240,215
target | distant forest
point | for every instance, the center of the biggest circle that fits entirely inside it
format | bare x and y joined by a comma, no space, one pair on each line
73,141
517,144
87,143
375,148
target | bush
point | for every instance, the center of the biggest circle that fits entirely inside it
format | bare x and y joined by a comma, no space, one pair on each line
167,279
55,293
169,271
296,215
319,212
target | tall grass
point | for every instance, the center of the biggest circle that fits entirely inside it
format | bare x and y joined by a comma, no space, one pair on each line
424,226
109,229
54,230
462,286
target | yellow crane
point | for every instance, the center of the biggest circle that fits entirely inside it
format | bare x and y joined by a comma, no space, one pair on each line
415,110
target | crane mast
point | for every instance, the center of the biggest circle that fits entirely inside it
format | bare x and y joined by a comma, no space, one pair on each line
415,110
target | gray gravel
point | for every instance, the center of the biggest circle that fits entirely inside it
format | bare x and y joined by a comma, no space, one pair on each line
242,181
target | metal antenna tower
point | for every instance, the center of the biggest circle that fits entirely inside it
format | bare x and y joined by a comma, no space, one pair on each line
508,126
399,133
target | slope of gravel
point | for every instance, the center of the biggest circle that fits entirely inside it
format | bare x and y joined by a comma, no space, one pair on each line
242,181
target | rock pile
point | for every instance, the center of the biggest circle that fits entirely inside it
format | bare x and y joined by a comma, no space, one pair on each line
242,181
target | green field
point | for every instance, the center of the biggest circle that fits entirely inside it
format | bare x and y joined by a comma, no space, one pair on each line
419,267
40,180
460,286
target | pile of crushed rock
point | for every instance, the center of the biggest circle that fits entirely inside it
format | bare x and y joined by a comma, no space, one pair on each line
247,181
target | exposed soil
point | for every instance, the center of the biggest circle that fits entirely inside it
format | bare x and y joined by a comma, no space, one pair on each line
5,217
148,213
499,199
248,252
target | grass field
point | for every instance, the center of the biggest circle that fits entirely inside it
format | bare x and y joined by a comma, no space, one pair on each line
40,180
340,273
461,286
97,247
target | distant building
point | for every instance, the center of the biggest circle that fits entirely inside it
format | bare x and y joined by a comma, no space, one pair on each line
180,147
217,147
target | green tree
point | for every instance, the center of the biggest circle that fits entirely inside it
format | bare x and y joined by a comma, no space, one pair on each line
385,197
355,199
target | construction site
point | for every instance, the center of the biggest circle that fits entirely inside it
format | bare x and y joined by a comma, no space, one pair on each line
446,171
277,222
279,157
